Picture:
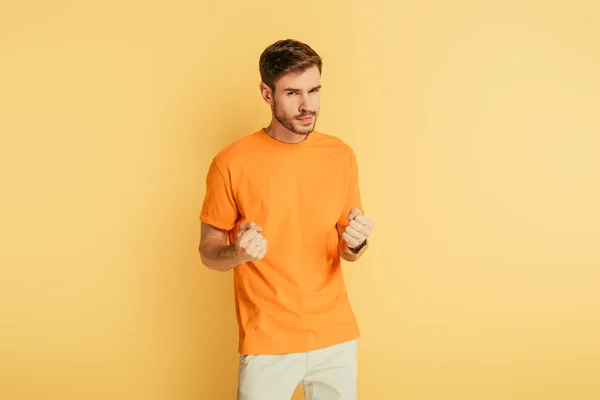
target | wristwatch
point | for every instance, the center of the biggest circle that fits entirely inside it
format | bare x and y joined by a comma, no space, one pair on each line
357,250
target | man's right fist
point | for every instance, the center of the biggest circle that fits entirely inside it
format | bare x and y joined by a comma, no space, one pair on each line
250,243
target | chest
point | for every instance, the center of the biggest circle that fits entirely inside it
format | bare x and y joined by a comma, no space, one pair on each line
292,189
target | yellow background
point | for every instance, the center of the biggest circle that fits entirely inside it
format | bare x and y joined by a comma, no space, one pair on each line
476,126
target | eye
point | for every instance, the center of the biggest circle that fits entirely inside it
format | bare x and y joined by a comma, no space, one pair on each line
291,93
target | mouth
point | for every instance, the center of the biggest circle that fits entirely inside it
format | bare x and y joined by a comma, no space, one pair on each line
306,119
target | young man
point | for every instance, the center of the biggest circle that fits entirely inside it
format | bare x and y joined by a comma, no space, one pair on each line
282,207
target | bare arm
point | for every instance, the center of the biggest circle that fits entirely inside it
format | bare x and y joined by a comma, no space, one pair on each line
217,254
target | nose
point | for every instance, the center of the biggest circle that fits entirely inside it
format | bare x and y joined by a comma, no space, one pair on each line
304,103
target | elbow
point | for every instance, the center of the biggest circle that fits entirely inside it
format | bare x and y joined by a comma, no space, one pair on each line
204,260
209,263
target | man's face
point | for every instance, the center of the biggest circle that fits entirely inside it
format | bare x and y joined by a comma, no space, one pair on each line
297,100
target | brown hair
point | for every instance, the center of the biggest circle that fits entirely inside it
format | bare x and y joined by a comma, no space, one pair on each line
286,56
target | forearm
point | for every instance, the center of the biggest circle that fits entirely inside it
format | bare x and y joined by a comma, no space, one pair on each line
220,257
346,254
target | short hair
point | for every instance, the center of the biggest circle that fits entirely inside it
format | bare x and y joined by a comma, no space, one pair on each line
286,56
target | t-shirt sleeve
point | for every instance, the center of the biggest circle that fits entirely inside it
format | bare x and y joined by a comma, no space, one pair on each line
219,208
353,199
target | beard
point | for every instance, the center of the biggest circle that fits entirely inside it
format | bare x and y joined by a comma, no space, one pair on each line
292,123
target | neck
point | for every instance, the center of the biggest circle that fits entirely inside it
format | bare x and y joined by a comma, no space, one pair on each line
283,134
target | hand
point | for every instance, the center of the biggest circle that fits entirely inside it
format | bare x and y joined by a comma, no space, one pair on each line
358,230
250,243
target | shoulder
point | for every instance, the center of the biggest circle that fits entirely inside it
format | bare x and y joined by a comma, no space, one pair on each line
335,142
233,153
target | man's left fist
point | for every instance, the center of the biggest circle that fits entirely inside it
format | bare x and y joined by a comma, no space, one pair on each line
358,230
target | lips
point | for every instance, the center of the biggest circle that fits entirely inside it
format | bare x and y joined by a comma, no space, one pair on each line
306,118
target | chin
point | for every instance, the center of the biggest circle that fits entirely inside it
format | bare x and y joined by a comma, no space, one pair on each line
303,133
303,130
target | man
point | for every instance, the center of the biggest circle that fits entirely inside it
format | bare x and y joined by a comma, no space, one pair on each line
282,207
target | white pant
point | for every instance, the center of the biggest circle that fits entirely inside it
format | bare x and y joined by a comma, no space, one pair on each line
326,374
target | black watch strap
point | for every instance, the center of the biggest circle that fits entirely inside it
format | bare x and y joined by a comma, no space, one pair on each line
357,250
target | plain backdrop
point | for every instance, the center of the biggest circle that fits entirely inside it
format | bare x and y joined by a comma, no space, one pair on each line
476,128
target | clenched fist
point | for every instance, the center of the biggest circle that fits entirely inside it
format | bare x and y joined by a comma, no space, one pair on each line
358,230
250,243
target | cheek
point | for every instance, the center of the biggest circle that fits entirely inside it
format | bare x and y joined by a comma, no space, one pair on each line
287,107
316,103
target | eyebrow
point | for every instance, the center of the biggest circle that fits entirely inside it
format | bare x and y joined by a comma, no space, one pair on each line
298,90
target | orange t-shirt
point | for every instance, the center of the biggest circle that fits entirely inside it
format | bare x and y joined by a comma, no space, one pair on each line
294,299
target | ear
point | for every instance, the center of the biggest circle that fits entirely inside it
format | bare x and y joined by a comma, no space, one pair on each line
266,92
